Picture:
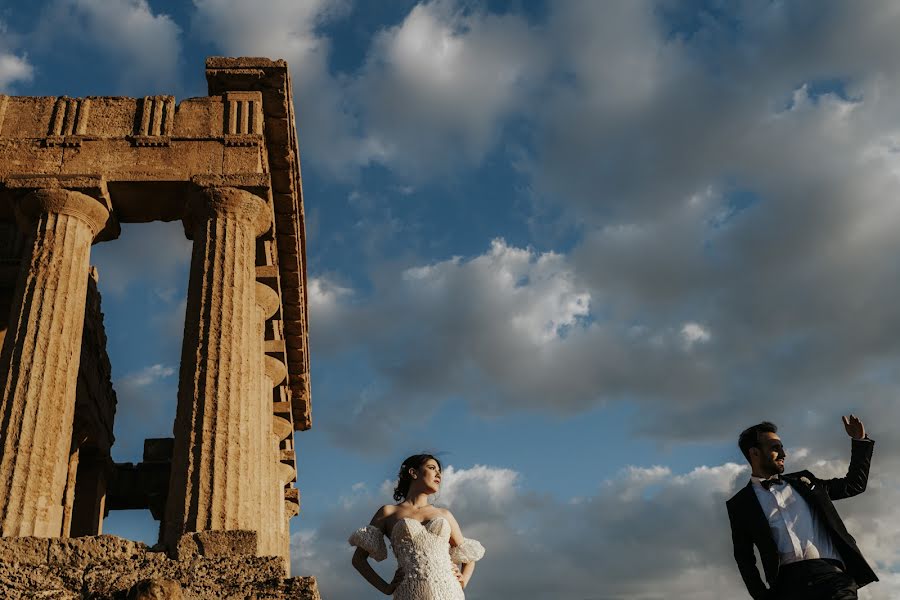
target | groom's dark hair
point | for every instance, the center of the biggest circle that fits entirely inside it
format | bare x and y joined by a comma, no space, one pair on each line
749,437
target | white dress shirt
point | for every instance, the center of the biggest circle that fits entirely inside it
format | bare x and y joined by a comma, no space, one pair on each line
797,532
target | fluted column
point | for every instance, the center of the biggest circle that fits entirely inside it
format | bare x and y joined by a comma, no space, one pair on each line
267,303
40,355
212,485
275,374
284,474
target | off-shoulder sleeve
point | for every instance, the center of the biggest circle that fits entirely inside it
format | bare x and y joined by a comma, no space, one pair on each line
469,551
371,540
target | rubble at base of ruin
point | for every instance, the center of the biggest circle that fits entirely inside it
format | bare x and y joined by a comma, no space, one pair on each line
213,565
72,170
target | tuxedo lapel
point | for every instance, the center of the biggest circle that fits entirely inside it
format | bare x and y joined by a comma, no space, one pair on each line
758,523
755,512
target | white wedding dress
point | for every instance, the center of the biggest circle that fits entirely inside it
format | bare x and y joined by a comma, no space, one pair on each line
423,552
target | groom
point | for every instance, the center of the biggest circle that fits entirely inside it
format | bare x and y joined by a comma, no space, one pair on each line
806,551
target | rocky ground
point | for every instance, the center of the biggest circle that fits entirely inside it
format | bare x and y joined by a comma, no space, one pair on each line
205,566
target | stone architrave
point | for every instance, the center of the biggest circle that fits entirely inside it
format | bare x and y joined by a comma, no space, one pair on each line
215,482
39,360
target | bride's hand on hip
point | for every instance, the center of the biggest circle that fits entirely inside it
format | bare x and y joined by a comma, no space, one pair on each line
459,576
395,582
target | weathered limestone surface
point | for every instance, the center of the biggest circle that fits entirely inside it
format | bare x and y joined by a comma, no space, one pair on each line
273,490
218,447
92,430
39,360
208,566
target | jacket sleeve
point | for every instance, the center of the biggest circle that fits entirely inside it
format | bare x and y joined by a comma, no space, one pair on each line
857,474
744,556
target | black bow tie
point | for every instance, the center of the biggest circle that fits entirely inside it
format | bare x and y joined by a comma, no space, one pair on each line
768,483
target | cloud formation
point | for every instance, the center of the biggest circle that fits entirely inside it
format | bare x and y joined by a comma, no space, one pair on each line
734,194
437,88
14,68
511,329
432,94
144,46
290,30
147,376
514,330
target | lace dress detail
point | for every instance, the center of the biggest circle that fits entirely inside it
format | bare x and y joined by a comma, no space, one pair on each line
371,540
423,552
469,551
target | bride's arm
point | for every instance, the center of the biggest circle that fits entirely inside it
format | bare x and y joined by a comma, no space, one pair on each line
361,561
456,538
466,573
361,564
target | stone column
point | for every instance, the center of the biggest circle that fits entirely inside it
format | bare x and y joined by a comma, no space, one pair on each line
291,510
39,360
214,483
273,374
284,474
90,492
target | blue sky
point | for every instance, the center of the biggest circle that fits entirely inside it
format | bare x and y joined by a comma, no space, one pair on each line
574,247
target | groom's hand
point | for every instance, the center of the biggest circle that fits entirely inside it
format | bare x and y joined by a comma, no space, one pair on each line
854,427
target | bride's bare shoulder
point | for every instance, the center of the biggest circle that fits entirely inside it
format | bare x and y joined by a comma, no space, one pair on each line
444,512
383,513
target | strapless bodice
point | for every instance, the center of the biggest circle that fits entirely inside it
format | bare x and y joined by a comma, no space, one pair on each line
423,552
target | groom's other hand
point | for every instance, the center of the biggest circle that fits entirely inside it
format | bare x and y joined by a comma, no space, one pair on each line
854,427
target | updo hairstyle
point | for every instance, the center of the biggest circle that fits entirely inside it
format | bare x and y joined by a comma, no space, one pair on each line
404,479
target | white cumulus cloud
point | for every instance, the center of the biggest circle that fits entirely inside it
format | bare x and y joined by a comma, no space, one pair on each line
437,89
144,45
147,375
14,69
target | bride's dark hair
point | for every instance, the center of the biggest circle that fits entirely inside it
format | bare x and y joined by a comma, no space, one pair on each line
404,478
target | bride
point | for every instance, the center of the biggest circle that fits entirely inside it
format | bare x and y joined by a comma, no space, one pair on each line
426,539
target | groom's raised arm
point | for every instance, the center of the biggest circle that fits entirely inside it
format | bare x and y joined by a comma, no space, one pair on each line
744,556
860,459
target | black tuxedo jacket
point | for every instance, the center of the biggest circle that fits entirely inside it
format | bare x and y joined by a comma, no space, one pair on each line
749,525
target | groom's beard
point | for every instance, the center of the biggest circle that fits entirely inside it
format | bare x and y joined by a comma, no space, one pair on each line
773,467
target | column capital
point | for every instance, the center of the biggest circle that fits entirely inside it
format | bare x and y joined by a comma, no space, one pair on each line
83,197
224,202
281,427
286,473
275,370
267,299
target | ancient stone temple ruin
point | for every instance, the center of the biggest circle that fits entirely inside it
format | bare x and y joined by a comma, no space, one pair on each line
71,171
